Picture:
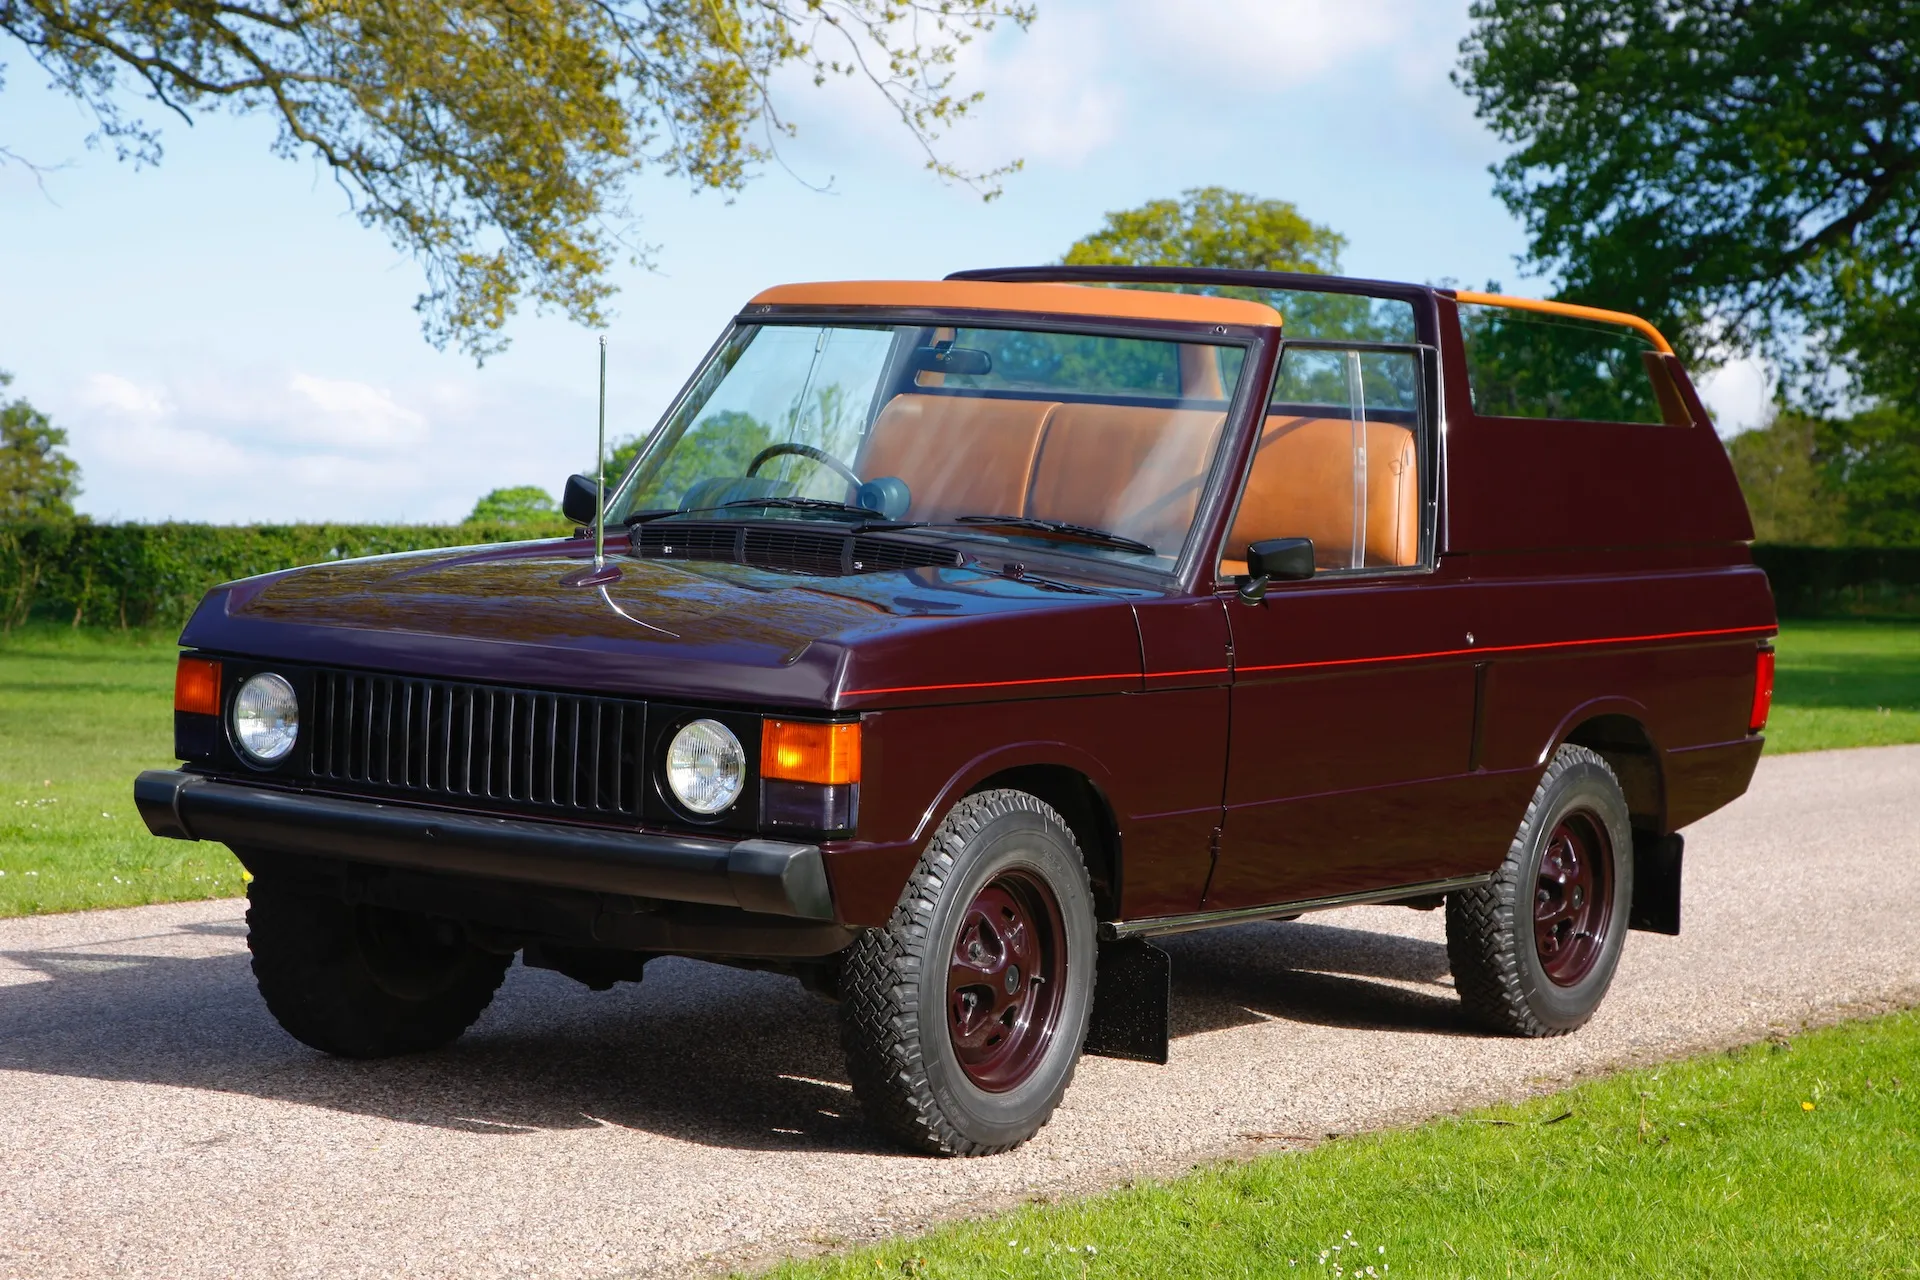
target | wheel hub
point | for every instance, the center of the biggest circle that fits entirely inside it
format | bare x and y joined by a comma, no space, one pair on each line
1004,981
1573,898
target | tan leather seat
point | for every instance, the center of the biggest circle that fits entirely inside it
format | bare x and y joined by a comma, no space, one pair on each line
1302,486
1134,470
960,455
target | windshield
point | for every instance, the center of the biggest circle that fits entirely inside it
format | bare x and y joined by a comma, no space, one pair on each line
1096,444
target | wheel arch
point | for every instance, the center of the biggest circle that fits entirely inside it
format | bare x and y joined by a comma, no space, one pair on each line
1074,782
1087,812
1616,730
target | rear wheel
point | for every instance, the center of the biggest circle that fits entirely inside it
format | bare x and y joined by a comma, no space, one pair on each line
361,981
963,1018
1534,950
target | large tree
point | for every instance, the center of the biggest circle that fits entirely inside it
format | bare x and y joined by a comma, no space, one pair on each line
1216,227
37,480
493,140
1212,227
525,505
1748,173
1790,492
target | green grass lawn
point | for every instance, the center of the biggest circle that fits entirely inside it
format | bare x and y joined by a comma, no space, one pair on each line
1792,1158
1845,684
81,712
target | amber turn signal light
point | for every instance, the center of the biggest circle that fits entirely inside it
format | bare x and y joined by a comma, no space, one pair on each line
823,753
1762,691
196,687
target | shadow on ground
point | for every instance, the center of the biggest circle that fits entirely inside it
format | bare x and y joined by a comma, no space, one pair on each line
697,1052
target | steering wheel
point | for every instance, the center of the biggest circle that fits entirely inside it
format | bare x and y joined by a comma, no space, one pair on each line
820,456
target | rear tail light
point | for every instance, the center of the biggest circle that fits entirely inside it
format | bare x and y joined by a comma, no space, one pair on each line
196,687
1762,691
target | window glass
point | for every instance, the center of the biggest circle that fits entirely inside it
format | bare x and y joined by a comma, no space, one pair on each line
1342,317
980,434
1027,360
1310,313
803,385
1338,461
1530,364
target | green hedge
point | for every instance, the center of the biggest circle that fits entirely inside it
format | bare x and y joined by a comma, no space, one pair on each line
1814,582
152,575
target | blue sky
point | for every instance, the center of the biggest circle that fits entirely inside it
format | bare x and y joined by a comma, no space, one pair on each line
224,342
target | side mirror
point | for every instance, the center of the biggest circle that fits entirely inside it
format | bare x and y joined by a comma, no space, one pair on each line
1274,559
580,500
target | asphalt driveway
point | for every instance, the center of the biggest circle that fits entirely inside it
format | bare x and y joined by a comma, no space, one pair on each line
154,1120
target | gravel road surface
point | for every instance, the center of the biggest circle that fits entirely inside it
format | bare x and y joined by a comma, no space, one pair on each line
155,1122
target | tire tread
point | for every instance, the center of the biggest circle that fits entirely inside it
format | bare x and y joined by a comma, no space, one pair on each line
317,988
1484,931
879,987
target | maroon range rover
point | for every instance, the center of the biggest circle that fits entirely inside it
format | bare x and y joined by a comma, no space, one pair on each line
955,638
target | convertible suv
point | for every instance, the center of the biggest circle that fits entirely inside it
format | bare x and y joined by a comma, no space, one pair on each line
954,639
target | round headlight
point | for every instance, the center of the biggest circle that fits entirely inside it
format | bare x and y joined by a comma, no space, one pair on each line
706,766
266,718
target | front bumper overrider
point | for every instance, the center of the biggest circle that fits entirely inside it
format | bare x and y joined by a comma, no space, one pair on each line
770,877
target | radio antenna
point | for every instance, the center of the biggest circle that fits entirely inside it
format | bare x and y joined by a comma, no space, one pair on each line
600,466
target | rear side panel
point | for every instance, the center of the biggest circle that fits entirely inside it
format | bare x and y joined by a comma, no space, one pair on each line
1631,535
1531,484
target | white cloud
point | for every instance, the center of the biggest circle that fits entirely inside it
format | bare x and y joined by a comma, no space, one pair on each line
124,398
270,445
1050,96
1277,40
1280,45
350,415
1738,396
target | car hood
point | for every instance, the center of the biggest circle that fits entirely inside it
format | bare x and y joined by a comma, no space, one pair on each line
707,631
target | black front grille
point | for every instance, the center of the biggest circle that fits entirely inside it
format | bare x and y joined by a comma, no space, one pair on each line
823,552
477,745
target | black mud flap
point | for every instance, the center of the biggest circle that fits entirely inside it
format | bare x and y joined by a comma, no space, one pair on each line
1130,999
1656,882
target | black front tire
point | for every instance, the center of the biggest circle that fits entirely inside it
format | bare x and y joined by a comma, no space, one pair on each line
902,1039
1510,979
365,982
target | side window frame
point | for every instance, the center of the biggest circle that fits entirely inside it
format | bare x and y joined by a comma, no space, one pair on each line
1428,450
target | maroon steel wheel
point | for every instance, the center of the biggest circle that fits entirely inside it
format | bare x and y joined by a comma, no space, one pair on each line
1573,898
1006,980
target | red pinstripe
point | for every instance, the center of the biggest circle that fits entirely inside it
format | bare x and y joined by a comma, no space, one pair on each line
1324,662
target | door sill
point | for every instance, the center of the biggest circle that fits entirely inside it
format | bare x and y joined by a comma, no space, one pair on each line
1153,926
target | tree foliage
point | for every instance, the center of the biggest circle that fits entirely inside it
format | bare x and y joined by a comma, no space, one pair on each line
1523,364
1874,460
1212,227
147,575
1215,227
493,139
522,506
1852,481
1748,174
37,480
1789,494
719,444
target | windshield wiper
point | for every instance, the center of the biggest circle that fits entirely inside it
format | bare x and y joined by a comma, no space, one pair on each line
1057,529
805,504
784,504
1049,584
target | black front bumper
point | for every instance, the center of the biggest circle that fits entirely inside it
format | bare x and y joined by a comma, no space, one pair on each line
765,876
